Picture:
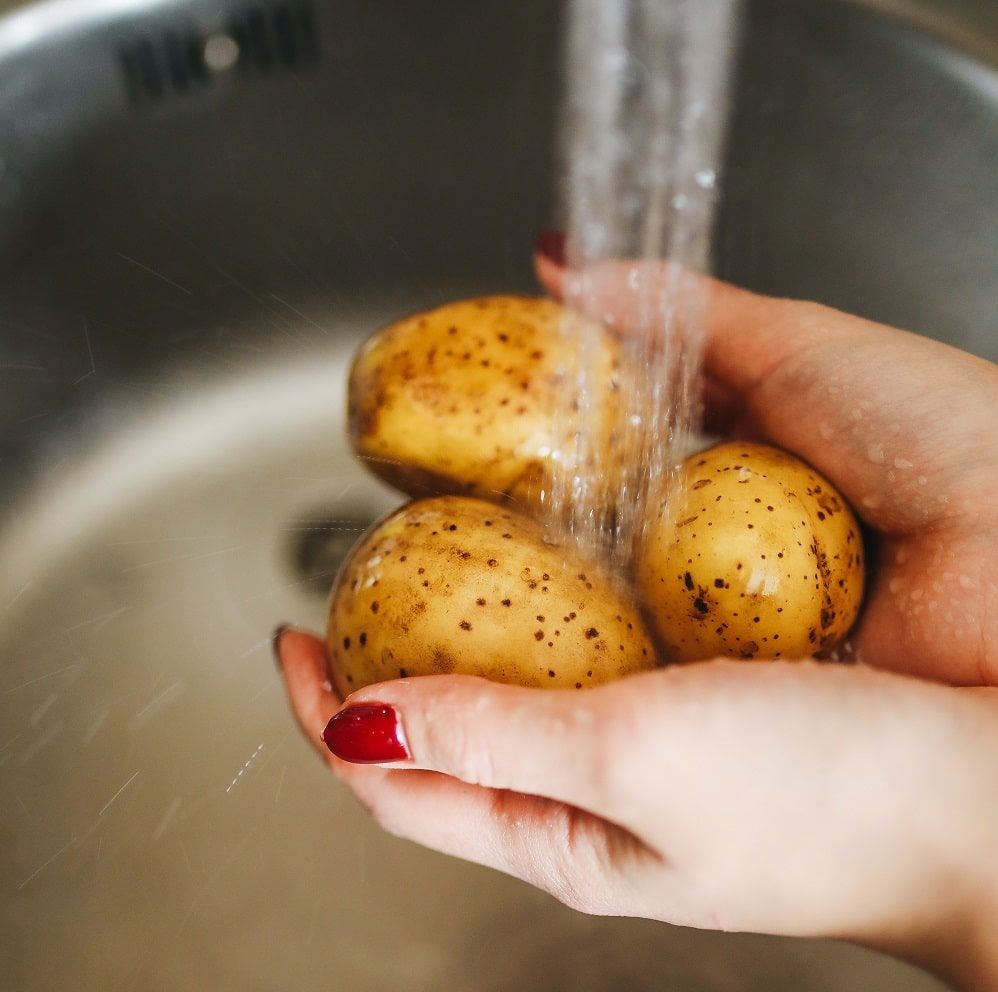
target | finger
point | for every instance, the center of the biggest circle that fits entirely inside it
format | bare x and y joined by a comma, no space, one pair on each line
565,851
869,405
557,744
301,659
568,853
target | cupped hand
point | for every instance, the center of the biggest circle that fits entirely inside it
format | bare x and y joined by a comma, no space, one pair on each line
906,428
790,798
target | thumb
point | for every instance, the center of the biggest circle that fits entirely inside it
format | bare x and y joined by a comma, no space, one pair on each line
560,744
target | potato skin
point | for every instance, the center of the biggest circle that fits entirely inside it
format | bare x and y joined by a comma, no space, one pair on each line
756,556
464,398
454,584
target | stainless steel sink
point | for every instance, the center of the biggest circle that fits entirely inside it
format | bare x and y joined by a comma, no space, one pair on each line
188,255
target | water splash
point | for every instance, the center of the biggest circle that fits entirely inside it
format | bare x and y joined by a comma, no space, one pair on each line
645,112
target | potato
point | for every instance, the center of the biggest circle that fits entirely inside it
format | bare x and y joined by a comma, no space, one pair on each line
454,584
756,556
465,398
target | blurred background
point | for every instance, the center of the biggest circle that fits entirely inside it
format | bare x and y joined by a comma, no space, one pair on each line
204,208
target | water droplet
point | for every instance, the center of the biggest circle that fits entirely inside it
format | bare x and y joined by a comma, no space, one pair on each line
876,454
706,179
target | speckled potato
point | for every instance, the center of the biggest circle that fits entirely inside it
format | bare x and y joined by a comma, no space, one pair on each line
465,398
757,556
454,584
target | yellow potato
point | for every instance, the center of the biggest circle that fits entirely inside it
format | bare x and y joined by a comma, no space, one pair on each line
455,584
465,398
756,556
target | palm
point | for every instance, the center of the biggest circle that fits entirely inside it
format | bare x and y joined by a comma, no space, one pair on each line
903,425
921,475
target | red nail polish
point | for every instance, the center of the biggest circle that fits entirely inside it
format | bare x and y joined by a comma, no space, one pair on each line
551,245
366,733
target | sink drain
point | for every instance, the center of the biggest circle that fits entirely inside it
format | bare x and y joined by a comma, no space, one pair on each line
321,541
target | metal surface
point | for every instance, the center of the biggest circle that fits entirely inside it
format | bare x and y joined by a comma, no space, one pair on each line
183,274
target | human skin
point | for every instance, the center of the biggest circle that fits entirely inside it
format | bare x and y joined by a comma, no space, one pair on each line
853,801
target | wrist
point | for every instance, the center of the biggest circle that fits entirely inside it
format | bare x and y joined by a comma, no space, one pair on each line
954,932
947,910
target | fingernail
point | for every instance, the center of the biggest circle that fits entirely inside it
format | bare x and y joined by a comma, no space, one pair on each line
275,640
551,245
366,733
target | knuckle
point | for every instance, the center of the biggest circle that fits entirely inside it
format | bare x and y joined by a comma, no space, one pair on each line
461,753
563,860
455,747
576,870
609,756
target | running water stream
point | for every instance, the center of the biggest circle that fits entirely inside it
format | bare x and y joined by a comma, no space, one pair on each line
644,117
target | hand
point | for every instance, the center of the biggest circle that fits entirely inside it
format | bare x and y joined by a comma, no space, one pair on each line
906,428
791,798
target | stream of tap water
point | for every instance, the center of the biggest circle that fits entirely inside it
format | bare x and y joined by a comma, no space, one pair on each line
644,117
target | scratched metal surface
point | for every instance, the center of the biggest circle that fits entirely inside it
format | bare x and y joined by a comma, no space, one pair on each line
182,280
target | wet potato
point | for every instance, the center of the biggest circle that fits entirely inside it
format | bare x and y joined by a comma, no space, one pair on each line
756,556
464,398
454,584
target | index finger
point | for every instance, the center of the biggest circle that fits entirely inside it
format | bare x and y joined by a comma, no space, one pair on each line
896,420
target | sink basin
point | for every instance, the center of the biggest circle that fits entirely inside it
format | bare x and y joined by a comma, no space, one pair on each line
190,250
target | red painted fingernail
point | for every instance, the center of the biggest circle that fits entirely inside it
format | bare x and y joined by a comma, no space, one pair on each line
366,733
275,641
551,245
